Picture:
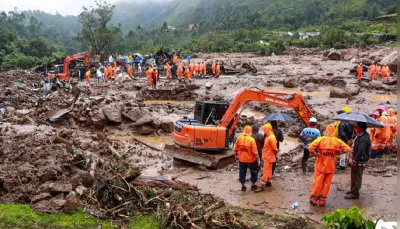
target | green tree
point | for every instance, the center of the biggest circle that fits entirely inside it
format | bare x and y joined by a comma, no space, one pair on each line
96,32
165,26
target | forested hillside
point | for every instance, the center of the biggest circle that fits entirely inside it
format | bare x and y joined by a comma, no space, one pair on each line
236,25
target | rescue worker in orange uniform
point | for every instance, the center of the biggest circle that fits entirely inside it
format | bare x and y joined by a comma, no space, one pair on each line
201,69
378,71
213,65
115,64
110,71
191,69
325,149
129,70
168,71
217,70
204,69
149,75
187,74
179,72
359,71
372,69
385,72
88,75
392,124
106,73
375,115
175,59
381,135
246,153
269,152
196,69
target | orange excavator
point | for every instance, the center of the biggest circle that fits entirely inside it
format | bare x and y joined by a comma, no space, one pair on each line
207,139
65,67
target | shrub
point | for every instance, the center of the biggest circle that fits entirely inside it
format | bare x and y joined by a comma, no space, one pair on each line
348,219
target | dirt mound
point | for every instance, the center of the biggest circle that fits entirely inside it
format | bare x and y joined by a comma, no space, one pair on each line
180,92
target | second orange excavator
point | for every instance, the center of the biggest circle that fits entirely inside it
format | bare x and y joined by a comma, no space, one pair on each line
207,139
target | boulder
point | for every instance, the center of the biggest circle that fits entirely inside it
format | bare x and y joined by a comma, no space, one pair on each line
40,197
339,93
353,89
335,55
60,187
217,98
10,111
167,127
355,60
376,84
144,120
97,118
366,61
310,87
290,82
113,113
209,85
135,113
391,61
376,56
146,129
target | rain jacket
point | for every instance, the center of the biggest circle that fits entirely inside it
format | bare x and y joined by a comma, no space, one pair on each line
327,147
385,131
392,120
259,138
270,148
361,149
245,147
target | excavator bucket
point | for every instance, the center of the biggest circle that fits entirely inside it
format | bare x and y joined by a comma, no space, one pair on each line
212,161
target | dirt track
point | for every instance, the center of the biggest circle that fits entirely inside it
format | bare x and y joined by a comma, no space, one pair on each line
115,113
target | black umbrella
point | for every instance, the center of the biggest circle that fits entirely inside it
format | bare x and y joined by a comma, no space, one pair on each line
357,117
278,117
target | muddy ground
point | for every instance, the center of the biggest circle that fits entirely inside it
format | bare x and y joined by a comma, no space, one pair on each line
137,122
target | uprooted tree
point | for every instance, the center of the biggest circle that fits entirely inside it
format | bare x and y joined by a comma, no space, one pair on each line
97,32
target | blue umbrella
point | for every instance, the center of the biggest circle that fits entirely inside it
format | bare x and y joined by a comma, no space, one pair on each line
357,117
278,117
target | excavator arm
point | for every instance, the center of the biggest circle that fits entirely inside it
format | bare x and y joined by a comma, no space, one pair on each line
85,55
230,119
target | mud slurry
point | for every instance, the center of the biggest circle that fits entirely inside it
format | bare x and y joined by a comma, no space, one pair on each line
137,122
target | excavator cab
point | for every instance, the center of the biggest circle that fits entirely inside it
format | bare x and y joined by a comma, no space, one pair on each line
210,112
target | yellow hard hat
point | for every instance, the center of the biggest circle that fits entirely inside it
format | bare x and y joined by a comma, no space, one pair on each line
346,109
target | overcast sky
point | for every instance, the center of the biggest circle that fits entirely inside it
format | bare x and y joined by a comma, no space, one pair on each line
64,7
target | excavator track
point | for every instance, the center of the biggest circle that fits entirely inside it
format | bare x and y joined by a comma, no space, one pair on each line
212,161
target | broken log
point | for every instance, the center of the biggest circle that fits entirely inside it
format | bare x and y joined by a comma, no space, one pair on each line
59,139
162,182
144,143
114,151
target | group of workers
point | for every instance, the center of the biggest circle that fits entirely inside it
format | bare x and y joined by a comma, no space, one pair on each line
375,70
339,139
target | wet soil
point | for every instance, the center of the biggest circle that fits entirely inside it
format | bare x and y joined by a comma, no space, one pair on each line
136,121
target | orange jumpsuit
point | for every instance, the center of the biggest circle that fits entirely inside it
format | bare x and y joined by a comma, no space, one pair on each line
105,73
327,148
392,124
87,75
187,74
378,71
196,69
381,135
179,72
213,67
372,69
149,75
217,71
168,71
245,147
201,68
191,69
129,71
204,69
359,72
269,152
115,64
175,59
385,72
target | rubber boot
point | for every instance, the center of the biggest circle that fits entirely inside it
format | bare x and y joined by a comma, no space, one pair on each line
304,166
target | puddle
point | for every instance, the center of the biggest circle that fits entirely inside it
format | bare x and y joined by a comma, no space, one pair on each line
316,94
382,98
155,141
161,102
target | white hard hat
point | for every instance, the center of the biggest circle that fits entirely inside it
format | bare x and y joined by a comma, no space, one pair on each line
385,113
312,119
